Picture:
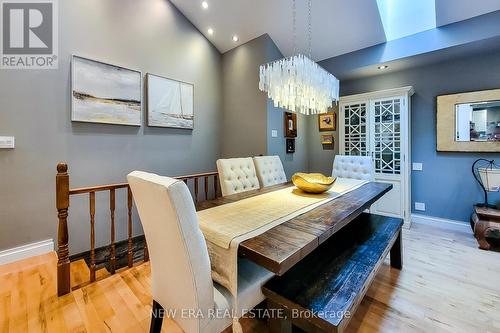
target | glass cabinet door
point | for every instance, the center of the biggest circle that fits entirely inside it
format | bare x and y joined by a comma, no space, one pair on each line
386,149
355,129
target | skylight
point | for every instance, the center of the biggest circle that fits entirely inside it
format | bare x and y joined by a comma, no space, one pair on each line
402,18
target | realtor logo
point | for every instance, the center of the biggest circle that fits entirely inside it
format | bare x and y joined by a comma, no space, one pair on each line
29,34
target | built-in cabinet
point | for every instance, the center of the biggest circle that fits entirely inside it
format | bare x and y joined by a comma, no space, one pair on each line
377,124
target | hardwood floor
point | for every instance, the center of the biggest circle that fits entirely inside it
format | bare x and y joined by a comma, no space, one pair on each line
447,285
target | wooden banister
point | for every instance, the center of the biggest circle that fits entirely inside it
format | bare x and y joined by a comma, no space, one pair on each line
63,194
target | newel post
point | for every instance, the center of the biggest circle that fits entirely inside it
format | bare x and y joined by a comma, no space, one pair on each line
62,205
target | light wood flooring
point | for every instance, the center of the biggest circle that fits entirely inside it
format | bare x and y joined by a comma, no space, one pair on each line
447,285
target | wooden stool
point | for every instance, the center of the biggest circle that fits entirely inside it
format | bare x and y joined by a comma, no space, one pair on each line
486,226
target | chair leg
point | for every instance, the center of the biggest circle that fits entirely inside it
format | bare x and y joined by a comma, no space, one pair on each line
157,314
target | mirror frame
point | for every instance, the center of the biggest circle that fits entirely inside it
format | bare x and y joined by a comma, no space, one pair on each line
446,122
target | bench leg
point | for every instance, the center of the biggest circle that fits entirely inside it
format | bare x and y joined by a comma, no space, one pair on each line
397,253
156,318
278,325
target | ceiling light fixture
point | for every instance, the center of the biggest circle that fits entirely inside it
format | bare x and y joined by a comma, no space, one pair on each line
298,83
204,4
210,31
235,38
383,67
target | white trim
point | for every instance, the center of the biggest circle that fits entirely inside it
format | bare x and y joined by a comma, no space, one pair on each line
441,223
26,251
395,92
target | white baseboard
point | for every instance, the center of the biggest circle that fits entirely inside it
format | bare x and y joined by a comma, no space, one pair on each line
26,251
441,223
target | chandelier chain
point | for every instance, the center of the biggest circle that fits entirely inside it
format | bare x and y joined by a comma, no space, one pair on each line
294,26
309,28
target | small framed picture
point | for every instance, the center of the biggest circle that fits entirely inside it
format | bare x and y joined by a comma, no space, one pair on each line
327,122
290,125
290,146
327,139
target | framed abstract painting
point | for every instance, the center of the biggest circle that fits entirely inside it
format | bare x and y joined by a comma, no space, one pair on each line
104,93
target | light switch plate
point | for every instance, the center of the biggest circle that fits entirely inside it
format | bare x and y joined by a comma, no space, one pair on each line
417,166
274,133
420,206
7,142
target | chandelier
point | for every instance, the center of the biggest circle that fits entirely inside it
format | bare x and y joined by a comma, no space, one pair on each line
298,83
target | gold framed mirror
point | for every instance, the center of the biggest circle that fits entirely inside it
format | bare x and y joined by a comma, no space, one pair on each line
469,122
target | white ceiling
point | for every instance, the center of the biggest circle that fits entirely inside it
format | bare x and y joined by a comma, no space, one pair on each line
339,26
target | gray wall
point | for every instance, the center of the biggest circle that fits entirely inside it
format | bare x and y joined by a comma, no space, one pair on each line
244,105
148,35
248,115
446,184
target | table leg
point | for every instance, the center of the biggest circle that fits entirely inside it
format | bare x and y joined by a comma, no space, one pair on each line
276,324
397,253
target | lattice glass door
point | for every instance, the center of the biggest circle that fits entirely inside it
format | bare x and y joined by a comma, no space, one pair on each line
355,129
386,126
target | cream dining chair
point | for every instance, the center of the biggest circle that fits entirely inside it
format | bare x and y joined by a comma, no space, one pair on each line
180,265
237,175
269,170
355,167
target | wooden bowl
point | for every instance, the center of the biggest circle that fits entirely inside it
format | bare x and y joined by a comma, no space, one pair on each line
312,182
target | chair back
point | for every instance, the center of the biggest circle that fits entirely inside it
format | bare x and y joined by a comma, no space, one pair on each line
180,265
237,175
269,170
354,167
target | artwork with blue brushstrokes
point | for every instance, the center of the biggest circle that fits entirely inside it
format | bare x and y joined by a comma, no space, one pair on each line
169,103
104,93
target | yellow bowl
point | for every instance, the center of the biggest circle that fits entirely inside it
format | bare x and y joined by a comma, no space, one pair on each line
312,182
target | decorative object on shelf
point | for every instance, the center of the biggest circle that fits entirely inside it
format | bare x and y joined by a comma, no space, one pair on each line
313,182
104,93
485,223
297,83
487,174
327,122
290,124
469,122
327,139
290,146
170,103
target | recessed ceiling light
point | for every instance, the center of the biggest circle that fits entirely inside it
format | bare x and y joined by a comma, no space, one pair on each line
204,4
235,38
383,67
210,31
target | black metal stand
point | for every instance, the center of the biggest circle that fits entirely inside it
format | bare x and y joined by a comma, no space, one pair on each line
478,179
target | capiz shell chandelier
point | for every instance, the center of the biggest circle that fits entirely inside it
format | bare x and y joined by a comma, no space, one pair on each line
297,83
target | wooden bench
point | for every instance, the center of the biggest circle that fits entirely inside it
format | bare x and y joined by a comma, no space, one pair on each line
322,292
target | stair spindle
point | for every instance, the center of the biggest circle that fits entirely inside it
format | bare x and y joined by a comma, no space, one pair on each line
206,187
113,249
130,254
146,252
92,235
196,190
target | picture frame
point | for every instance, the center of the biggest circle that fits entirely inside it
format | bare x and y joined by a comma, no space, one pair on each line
290,146
169,102
290,124
105,93
327,139
327,122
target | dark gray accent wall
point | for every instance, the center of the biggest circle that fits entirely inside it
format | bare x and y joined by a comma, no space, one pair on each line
244,105
446,184
248,115
298,161
149,35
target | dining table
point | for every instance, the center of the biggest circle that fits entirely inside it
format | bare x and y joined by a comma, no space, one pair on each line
283,246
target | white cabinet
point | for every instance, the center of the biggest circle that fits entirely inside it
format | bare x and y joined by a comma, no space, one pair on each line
377,124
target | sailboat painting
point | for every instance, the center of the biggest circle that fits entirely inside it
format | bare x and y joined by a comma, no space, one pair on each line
169,103
103,93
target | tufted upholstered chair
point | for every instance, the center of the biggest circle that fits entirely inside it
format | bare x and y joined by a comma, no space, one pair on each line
237,175
269,170
355,167
180,265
